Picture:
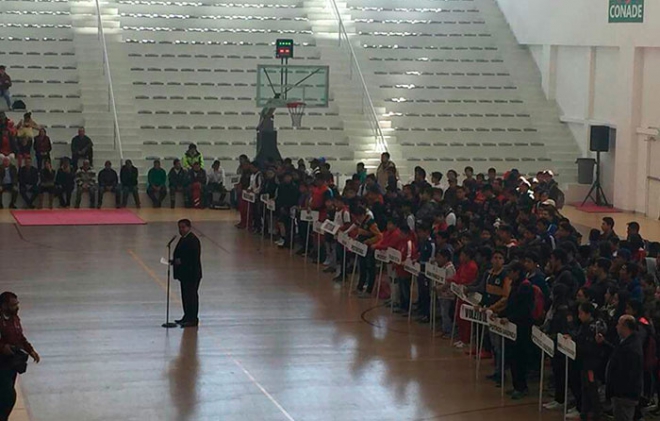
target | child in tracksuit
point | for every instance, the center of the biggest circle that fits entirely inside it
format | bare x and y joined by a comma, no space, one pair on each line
426,251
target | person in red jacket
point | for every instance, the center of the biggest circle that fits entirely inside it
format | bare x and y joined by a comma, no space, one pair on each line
408,248
465,274
12,340
391,239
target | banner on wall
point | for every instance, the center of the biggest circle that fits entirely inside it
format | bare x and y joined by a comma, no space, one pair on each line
626,11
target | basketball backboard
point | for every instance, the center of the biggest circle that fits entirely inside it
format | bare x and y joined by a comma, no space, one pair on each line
308,84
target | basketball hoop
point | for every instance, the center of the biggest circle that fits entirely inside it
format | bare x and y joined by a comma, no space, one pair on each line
297,110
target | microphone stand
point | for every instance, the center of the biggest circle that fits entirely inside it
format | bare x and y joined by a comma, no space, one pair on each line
167,323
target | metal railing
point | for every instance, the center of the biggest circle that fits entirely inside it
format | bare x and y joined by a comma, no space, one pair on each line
367,103
112,105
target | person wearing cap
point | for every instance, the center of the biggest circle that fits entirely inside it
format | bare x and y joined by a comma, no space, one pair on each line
192,156
5,84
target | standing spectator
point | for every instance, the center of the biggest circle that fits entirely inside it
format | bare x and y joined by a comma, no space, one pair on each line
8,182
607,228
64,182
216,184
8,147
191,156
360,172
369,234
25,133
28,183
465,275
47,184
197,186
81,148
624,370
178,183
108,182
518,311
382,172
12,341
498,288
443,259
156,184
589,359
86,182
128,176
42,148
5,84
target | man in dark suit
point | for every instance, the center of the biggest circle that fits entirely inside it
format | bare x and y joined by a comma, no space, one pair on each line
188,270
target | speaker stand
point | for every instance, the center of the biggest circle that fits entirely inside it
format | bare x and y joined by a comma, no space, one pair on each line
600,199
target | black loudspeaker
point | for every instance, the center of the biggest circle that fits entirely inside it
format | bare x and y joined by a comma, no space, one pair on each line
600,138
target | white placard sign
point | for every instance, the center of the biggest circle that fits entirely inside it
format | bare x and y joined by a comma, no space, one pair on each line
235,179
309,216
507,330
543,341
470,314
270,205
248,196
382,256
566,346
436,273
358,248
413,268
292,213
395,255
318,227
330,227
343,239
457,290
264,198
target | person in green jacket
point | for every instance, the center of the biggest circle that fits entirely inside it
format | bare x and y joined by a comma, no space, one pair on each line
192,156
156,180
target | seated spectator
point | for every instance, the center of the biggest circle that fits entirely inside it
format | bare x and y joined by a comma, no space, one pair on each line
81,148
156,188
42,148
9,182
197,179
64,182
108,182
86,182
191,156
28,183
5,84
26,130
129,183
216,184
178,183
47,184
8,146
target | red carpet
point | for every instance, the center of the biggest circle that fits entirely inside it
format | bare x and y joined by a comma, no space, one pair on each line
592,208
76,217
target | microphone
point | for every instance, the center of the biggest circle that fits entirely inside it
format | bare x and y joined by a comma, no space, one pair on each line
171,241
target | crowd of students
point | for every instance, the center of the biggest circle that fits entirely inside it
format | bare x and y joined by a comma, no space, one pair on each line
501,236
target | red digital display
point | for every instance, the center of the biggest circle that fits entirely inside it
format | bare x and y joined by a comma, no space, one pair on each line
284,48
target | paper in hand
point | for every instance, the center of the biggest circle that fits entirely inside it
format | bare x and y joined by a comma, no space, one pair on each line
164,261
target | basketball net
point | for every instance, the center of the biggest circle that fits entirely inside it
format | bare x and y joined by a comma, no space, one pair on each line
297,110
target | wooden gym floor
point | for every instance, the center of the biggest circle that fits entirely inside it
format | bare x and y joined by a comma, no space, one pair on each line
277,340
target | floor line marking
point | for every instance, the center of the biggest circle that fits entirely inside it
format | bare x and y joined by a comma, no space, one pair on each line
154,276
236,362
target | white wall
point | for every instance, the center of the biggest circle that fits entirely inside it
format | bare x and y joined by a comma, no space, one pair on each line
599,73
